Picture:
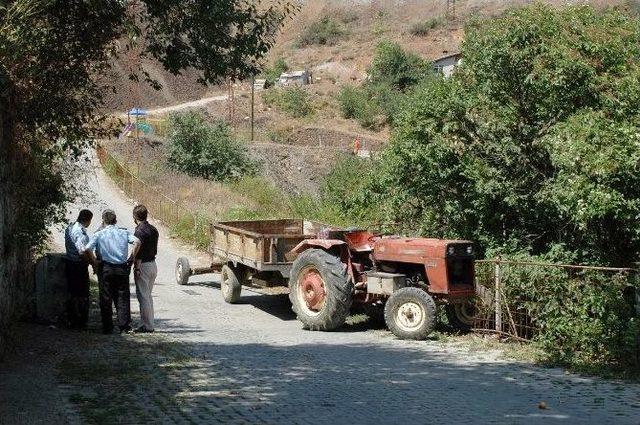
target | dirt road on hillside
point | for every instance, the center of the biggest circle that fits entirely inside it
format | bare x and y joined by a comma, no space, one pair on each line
184,106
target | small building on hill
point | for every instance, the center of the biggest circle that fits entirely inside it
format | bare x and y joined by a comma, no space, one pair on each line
295,78
447,64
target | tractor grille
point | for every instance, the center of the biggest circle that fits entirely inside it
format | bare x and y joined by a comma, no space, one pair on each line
460,271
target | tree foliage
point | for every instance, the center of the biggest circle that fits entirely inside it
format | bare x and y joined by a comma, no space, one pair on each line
392,75
205,150
394,66
533,143
54,55
532,150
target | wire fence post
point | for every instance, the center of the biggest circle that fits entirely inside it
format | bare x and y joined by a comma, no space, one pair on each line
498,301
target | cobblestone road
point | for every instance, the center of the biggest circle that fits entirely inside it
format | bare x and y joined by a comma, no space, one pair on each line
252,363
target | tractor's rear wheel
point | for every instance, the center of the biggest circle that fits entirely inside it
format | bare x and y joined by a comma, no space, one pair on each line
320,290
461,315
410,313
231,281
183,271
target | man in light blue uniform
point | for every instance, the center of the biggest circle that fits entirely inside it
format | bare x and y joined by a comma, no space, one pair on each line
112,247
77,270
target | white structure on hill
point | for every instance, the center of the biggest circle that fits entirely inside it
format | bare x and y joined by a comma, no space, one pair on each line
295,78
447,64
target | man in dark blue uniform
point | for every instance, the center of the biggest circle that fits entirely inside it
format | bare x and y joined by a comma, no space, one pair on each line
77,270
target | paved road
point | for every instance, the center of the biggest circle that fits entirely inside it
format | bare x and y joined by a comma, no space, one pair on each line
256,365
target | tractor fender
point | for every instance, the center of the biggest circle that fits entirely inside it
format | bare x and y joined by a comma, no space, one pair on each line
325,244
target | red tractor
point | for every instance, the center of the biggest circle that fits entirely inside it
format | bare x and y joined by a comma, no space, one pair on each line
328,270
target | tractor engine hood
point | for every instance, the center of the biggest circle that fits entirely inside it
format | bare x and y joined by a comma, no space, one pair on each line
417,250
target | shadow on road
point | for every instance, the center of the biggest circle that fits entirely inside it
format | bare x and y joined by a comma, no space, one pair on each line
321,383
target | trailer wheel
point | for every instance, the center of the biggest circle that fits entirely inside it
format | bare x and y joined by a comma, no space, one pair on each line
410,313
183,271
461,315
320,290
231,283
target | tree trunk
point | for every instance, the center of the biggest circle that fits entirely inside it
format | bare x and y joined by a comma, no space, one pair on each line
9,253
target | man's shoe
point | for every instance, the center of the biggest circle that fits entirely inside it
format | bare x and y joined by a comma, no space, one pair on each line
143,330
126,330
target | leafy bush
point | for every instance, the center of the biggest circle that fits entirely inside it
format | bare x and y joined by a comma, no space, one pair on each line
393,74
326,31
358,103
272,73
586,317
295,101
396,67
205,150
422,28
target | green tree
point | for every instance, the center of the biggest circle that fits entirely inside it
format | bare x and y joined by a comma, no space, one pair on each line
394,66
532,143
531,149
393,74
54,55
205,150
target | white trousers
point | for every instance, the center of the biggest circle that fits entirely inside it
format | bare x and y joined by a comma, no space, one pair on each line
144,286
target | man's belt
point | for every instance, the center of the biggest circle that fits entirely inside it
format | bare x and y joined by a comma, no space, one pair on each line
123,265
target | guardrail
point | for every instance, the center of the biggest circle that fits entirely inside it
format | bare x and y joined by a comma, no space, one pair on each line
174,214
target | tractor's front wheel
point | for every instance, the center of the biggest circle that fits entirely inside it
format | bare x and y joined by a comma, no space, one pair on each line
410,313
320,290
461,315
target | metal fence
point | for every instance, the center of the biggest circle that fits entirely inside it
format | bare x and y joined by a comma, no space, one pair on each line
503,312
171,212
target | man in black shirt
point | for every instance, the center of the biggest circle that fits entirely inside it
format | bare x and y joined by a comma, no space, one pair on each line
145,269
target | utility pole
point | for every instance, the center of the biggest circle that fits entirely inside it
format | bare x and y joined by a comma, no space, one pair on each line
253,90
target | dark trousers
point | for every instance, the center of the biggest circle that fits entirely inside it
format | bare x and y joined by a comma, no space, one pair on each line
114,290
77,273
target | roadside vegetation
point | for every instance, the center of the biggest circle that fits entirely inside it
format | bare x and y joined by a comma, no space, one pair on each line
523,151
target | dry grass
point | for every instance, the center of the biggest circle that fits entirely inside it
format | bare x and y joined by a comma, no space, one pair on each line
206,197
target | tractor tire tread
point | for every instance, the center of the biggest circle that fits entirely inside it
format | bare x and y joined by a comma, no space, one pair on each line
338,286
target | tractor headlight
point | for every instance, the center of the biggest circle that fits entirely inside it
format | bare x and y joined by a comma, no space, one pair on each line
469,250
451,250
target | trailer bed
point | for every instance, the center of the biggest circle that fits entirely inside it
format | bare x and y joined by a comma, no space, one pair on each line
263,245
